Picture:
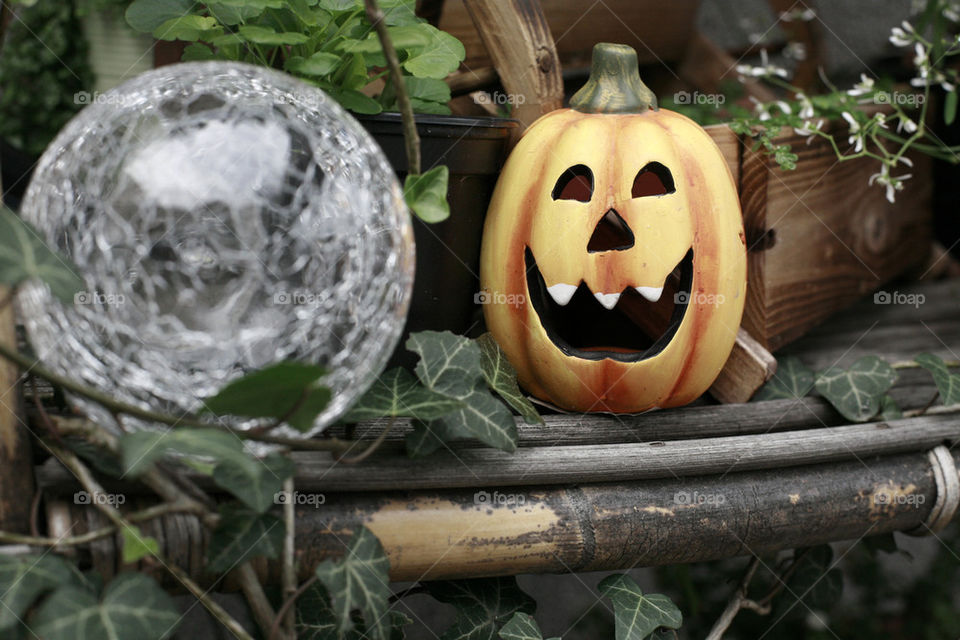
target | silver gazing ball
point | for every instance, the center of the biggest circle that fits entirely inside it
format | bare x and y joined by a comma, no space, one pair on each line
224,217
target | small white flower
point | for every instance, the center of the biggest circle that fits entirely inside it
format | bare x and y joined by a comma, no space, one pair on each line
856,135
906,124
902,36
806,106
759,108
892,183
905,160
920,60
951,14
866,85
809,128
765,70
783,106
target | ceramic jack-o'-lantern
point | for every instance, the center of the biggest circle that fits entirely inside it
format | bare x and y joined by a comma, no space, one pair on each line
613,252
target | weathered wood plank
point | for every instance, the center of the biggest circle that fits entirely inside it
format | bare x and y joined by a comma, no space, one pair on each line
517,35
481,467
747,369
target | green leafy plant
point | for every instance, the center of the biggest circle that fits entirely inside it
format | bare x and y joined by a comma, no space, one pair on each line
329,43
44,67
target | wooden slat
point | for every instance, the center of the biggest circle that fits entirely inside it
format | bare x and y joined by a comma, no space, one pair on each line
518,38
747,369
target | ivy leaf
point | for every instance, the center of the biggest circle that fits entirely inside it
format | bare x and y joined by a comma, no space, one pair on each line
146,15
426,194
424,439
637,615
502,378
132,606
449,364
255,482
266,35
793,380
397,393
24,256
522,626
241,535
273,392
948,384
23,579
136,545
889,409
482,605
482,417
856,392
360,580
320,63
188,28
316,619
140,449
251,480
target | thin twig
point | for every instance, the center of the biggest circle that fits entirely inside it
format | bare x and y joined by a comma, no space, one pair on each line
256,598
373,446
289,568
929,404
734,604
410,136
286,607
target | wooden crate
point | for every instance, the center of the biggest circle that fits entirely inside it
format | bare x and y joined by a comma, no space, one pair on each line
820,237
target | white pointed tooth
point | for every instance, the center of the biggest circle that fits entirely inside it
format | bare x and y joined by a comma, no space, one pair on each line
608,300
650,293
561,293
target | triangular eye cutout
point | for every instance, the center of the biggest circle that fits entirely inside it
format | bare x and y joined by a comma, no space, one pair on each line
653,180
611,234
576,183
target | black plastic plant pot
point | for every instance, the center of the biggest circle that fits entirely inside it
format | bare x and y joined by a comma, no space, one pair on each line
448,253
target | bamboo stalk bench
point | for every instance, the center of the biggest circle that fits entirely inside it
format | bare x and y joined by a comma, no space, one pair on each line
596,492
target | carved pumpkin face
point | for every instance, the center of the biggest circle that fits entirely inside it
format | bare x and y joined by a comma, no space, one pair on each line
614,256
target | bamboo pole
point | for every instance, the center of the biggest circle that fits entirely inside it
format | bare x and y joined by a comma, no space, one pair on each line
613,526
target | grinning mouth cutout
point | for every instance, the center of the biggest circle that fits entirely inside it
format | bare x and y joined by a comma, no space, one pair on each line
631,326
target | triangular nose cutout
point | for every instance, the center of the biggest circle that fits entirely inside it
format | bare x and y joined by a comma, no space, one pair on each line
611,234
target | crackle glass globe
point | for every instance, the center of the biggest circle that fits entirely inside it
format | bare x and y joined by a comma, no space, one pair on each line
224,217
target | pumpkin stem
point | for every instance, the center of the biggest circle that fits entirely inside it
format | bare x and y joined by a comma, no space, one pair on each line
614,85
